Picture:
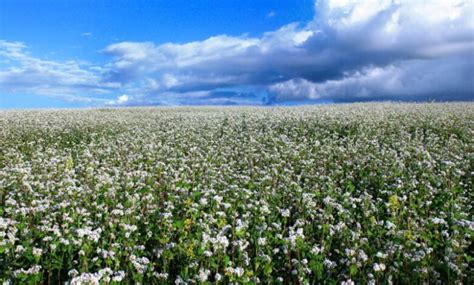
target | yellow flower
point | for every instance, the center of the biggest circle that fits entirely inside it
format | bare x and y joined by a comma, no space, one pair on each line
69,163
394,202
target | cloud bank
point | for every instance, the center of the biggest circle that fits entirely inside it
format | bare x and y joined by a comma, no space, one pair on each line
352,51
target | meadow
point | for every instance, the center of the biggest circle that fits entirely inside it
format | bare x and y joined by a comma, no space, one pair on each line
377,193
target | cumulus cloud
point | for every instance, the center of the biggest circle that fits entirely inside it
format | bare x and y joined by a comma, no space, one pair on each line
215,62
398,50
352,50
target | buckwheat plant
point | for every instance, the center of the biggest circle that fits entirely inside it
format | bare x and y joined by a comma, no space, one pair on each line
338,194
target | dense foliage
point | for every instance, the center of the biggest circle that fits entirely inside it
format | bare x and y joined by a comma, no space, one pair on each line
364,193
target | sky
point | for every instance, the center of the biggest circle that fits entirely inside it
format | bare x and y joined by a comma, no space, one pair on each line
111,53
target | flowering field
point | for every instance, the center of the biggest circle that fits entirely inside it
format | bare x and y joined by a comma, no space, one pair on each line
364,193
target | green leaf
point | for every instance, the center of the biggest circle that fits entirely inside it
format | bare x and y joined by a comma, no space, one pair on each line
353,269
178,224
268,269
226,260
240,233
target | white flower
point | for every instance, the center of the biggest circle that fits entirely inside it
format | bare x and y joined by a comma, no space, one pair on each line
379,267
363,256
381,255
348,282
19,249
118,276
30,271
317,250
350,252
180,281
37,251
438,221
72,273
329,264
389,225
285,213
239,271
161,276
203,274
218,199
87,278
222,241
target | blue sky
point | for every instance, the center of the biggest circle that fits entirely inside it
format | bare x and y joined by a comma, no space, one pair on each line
284,52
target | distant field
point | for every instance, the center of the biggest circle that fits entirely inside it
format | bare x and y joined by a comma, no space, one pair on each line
369,193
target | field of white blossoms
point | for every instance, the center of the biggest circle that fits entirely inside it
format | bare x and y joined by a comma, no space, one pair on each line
363,193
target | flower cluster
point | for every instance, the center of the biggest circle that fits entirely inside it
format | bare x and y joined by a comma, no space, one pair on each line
347,194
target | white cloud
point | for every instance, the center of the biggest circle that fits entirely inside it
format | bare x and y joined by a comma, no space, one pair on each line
345,41
28,74
404,26
271,14
348,13
146,57
217,61
122,99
